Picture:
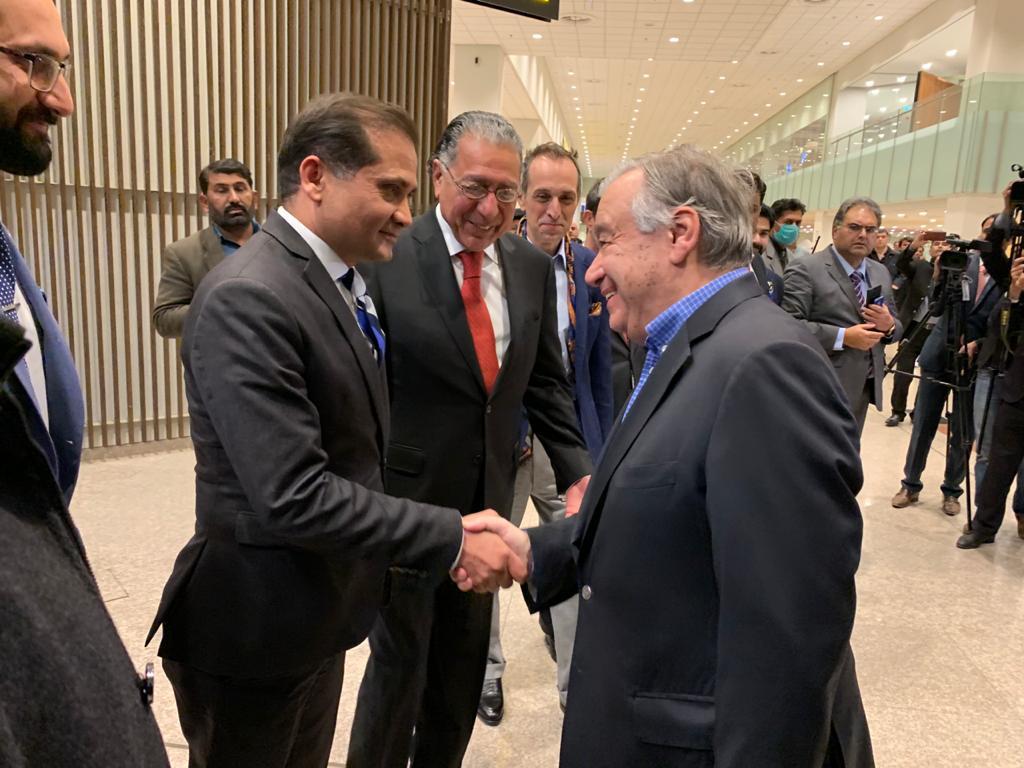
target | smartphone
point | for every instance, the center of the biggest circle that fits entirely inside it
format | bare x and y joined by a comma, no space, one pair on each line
874,295
933,236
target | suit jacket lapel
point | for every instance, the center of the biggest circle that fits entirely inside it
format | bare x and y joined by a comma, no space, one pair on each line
435,265
583,302
837,273
318,279
213,251
519,300
670,367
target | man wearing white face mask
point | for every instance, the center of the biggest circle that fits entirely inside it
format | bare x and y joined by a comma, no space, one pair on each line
782,247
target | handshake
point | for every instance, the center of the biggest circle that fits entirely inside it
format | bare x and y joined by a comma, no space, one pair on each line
494,553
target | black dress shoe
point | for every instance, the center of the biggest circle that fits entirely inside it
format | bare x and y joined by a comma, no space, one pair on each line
492,703
549,643
894,420
973,540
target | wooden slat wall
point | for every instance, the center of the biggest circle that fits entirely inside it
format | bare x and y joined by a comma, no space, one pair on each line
161,89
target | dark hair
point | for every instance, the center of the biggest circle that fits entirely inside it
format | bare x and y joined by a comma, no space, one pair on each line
554,152
779,207
488,126
518,214
767,213
762,188
335,128
991,217
229,166
594,196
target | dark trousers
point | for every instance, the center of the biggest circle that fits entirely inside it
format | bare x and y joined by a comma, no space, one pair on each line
905,359
931,397
1004,459
428,651
265,722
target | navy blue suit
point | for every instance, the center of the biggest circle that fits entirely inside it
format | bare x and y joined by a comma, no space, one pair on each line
595,407
62,443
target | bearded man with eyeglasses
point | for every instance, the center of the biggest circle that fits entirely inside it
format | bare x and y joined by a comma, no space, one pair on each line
470,316
831,292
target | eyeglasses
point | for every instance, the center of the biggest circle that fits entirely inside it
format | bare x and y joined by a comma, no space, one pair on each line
857,229
43,70
475,191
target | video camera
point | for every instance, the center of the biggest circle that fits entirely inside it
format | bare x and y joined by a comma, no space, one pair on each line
1017,188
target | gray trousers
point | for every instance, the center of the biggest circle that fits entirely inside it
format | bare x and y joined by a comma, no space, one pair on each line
535,480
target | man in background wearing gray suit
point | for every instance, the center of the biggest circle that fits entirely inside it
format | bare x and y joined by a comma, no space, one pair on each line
828,290
228,196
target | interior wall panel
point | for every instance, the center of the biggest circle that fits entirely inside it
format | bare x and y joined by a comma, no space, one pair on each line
160,90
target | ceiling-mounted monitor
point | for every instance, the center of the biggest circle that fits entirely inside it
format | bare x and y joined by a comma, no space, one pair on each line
545,10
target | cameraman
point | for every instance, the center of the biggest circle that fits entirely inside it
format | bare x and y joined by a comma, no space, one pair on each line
936,377
1006,411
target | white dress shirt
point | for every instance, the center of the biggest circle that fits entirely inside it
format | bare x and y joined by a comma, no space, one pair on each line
561,298
334,264
34,357
492,285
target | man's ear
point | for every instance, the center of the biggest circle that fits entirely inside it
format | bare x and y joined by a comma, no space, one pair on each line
311,177
204,202
685,234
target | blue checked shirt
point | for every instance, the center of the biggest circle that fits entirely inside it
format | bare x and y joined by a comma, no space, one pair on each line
662,329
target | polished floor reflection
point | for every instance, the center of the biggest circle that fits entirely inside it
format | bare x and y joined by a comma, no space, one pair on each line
939,636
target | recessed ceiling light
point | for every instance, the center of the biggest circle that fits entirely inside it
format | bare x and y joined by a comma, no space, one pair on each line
646,75
807,106
926,66
867,117
636,110
883,109
696,111
703,103
901,215
571,74
650,58
874,91
639,101
572,87
951,53
711,91
782,93
779,124
689,121
869,84
846,43
799,79
642,90
575,98
721,77
903,100
673,39
687,1
879,18
577,109
746,122
821,63
757,114
901,79
767,105
537,36
735,61
895,90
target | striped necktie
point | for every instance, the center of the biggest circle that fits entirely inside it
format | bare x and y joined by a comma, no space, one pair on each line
366,317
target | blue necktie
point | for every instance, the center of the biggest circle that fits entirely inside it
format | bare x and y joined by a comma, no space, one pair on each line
858,287
7,279
368,321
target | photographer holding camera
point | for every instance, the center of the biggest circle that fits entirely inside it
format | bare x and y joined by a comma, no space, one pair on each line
961,290
1005,417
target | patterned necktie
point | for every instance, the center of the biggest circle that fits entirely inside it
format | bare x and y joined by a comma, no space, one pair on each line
570,271
858,287
7,279
479,319
366,317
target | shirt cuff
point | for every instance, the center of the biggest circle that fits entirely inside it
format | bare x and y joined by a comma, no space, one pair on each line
459,556
838,346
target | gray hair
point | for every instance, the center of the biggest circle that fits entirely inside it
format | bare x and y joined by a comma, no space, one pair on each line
692,177
484,125
856,202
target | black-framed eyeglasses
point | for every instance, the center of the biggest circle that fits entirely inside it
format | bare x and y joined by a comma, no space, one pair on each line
475,191
857,229
43,70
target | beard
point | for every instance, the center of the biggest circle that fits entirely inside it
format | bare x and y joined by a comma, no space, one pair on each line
231,217
23,152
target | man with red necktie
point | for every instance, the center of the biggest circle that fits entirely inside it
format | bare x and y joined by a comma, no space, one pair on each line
471,322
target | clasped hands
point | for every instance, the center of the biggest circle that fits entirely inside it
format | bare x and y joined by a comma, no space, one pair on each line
495,553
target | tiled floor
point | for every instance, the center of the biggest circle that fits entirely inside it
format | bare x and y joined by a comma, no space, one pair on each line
939,638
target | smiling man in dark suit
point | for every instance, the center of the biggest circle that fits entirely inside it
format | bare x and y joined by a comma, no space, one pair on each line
286,389
715,614
470,314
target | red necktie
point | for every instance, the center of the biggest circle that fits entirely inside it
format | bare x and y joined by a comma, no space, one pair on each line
478,317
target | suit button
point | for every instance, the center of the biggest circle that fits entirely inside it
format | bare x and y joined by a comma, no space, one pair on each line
477,458
488,410
586,592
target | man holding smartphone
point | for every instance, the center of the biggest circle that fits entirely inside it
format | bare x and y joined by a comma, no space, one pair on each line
845,298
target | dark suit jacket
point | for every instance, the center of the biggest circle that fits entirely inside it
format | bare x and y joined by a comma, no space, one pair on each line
289,422
917,276
715,613
68,693
592,387
627,363
770,282
185,263
819,292
451,443
1013,382
61,444
934,357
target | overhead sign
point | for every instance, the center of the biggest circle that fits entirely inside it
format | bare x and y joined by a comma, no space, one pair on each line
545,10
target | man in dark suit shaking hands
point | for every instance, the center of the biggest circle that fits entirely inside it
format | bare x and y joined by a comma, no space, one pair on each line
472,326
286,388
715,614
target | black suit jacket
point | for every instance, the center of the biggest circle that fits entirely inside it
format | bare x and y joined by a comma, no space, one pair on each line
289,422
715,613
451,443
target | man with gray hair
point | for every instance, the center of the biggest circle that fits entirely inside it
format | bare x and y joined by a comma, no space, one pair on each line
715,614
472,327
845,299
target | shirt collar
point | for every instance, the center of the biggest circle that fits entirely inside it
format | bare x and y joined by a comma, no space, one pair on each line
662,329
333,263
217,231
454,246
558,256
